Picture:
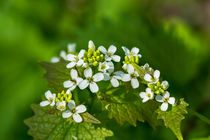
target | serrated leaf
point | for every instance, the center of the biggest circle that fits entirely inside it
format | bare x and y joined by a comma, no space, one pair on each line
124,112
89,118
47,125
56,74
172,119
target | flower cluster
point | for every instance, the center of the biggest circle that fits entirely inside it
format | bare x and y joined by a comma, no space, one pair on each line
87,68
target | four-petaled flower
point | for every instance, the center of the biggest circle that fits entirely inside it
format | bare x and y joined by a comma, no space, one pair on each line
134,52
148,95
75,80
152,79
109,55
91,80
50,99
61,105
113,77
165,99
131,76
75,60
74,111
106,66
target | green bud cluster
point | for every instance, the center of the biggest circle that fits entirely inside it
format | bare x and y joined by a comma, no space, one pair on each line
132,59
157,88
93,57
63,97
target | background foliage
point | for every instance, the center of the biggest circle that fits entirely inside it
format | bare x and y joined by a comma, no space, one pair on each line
173,36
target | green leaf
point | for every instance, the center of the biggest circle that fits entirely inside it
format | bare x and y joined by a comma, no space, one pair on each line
172,119
46,124
89,118
56,74
208,138
124,112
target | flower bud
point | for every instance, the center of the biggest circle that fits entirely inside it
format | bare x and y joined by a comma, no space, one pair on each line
95,63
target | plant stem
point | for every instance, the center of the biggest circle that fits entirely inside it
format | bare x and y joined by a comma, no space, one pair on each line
200,116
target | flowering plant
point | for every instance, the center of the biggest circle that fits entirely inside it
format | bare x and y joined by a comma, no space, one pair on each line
119,87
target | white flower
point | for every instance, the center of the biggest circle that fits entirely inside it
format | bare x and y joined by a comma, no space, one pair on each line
165,85
91,45
148,95
131,76
74,111
128,67
75,80
134,52
57,59
61,105
165,99
50,99
71,47
113,77
109,55
154,79
91,80
106,66
146,67
75,60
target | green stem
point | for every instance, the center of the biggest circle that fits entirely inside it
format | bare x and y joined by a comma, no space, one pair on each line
200,116
76,98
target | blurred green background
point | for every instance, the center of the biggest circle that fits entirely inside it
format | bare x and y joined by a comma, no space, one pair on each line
173,36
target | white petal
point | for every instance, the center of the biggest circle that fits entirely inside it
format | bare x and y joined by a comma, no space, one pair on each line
166,94
165,84
148,77
91,45
68,84
55,59
116,58
66,114
142,94
164,106
44,103
74,74
130,68
159,98
110,67
98,77
80,62
151,95
77,118
134,83
53,103
83,84
63,54
145,99
106,77
70,57
114,82
135,50
102,49
94,87
71,104
139,55
48,94
71,47
79,80
112,49
81,109
81,54
72,87
108,58
71,65
126,50
124,66
126,77
157,74
88,72
171,100
148,90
